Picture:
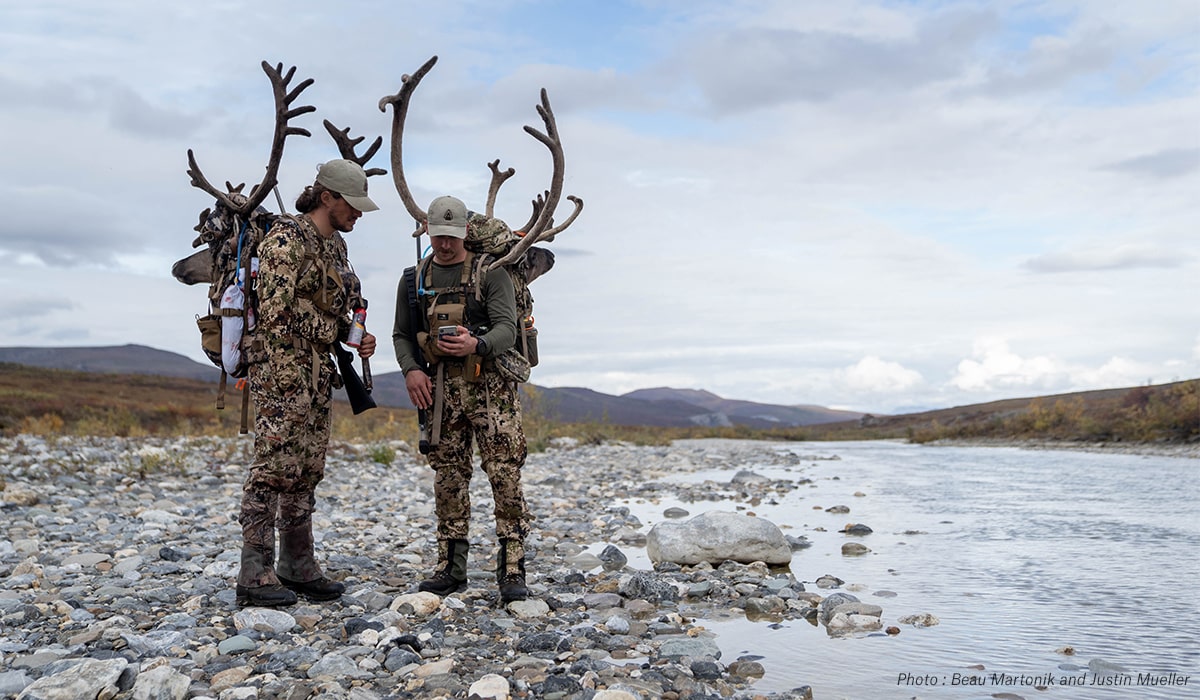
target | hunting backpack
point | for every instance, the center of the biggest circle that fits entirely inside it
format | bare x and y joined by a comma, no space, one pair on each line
488,239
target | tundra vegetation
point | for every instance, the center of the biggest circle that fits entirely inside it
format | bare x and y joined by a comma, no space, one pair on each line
51,402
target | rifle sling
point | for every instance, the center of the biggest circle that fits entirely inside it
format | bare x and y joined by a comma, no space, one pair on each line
438,402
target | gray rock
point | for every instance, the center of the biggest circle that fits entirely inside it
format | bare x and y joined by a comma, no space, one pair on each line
398,658
602,600
540,641
746,476
831,602
718,536
161,683
236,644
691,647
156,643
746,669
646,586
12,682
88,678
336,666
706,670
613,558
253,618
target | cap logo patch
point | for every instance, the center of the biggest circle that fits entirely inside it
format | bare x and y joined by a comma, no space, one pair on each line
448,216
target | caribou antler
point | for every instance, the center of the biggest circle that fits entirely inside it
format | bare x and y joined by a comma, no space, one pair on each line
541,225
542,228
498,179
399,103
283,100
346,146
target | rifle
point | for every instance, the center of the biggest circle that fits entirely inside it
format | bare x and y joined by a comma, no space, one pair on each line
358,393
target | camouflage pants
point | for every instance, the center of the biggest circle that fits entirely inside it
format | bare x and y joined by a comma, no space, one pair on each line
291,422
291,437
490,412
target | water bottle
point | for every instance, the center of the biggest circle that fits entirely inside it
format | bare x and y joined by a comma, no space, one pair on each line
358,326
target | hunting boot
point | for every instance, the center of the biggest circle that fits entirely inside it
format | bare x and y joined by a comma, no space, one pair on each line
450,576
510,571
298,568
257,584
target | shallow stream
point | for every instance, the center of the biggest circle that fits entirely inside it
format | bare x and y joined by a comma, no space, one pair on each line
1044,568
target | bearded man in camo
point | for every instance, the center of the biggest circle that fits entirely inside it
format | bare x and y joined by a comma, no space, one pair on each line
468,320
306,290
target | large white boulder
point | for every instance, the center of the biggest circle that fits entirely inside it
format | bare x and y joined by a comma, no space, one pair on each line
718,536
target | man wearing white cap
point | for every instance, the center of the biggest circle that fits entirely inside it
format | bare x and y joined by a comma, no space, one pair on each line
469,319
305,290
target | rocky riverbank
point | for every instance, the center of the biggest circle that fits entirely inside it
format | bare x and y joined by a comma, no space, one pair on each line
118,557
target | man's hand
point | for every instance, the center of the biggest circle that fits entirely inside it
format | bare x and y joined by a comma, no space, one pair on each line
420,388
367,347
459,345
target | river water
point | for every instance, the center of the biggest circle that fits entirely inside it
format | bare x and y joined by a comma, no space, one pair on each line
1022,555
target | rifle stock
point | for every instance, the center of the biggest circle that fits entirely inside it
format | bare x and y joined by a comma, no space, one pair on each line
356,391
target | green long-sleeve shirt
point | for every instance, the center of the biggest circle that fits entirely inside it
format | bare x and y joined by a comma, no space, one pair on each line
498,311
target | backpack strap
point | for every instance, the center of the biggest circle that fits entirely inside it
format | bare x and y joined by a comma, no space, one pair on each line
466,280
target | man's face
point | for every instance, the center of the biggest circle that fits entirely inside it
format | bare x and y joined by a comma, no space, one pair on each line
341,215
447,250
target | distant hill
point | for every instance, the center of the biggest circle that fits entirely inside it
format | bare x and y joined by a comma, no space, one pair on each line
115,359
661,407
1168,413
731,411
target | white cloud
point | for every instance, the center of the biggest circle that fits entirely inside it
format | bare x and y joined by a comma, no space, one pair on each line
873,375
996,367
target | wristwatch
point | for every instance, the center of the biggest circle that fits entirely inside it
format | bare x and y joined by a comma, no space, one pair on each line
482,347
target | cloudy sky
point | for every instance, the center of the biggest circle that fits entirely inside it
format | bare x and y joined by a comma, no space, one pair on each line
866,204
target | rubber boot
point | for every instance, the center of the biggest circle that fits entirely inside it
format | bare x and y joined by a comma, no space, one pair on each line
298,569
510,571
450,576
257,583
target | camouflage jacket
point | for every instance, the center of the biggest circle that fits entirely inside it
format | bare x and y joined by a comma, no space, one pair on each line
304,285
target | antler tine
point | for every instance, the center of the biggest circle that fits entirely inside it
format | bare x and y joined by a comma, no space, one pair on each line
498,179
399,103
283,100
346,146
538,202
282,114
552,142
548,236
201,182
545,217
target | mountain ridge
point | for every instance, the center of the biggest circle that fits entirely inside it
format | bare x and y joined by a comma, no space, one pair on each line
661,406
